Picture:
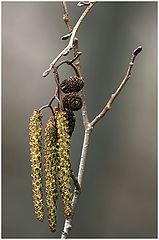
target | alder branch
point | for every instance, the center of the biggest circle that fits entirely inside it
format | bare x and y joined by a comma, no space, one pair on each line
67,49
88,126
114,95
88,129
78,65
68,223
66,17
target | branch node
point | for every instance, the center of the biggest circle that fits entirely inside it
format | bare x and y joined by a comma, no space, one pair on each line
89,127
67,50
108,107
65,18
75,179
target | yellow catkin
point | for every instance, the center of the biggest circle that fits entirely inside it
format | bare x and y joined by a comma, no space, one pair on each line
50,142
36,162
63,164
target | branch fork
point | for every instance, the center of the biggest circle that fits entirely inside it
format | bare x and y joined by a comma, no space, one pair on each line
88,126
67,49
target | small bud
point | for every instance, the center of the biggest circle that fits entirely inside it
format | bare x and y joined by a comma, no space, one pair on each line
83,3
65,37
137,51
67,50
46,73
72,101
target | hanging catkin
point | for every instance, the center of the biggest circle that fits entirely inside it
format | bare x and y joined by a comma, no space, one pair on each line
63,164
50,141
36,162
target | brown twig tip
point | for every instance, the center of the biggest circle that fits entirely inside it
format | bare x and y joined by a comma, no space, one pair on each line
75,58
83,3
65,37
46,73
137,51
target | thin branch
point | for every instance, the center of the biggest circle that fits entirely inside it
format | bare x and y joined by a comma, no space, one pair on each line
67,49
84,3
56,75
75,180
65,37
66,17
68,223
114,95
78,65
70,62
79,22
84,154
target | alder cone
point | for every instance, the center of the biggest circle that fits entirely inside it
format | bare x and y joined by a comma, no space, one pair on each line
72,84
72,102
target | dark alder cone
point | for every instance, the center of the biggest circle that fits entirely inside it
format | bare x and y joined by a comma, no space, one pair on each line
72,84
50,142
63,164
36,162
71,122
72,101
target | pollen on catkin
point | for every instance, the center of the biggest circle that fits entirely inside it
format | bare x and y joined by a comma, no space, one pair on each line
50,141
36,162
64,165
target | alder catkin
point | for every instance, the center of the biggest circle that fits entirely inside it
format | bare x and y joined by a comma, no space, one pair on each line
36,162
50,141
63,164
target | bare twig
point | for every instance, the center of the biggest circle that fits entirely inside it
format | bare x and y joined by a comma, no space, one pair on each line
70,62
67,49
114,95
75,180
78,65
50,102
84,3
65,37
66,17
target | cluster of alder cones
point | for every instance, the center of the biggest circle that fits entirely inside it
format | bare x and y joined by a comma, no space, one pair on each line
56,151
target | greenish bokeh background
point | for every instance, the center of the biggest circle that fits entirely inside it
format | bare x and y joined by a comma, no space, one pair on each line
119,187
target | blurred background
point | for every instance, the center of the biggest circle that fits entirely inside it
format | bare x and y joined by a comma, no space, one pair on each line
118,197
